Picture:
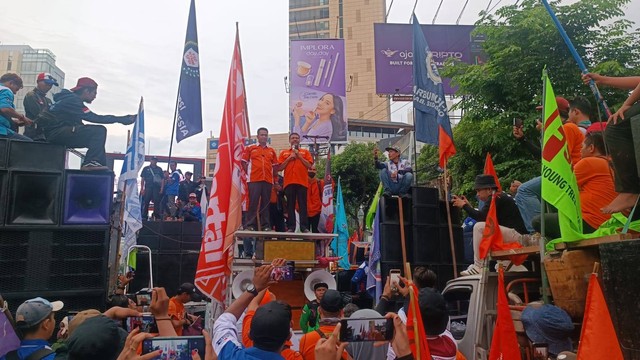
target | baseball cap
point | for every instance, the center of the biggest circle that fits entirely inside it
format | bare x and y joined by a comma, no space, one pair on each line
84,82
192,195
433,308
47,78
97,338
187,287
332,301
563,104
81,317
270,326
394,148
154,158
34,311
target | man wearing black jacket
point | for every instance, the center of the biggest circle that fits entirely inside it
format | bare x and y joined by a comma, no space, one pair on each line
65,126
509,219
37,101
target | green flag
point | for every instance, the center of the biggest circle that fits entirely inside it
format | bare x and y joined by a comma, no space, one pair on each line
372,209
559,185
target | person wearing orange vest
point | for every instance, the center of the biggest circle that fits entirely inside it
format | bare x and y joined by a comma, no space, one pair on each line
259,161
314,199
295,162
331,306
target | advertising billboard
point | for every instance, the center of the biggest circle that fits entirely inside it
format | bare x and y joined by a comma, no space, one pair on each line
317,90
394,53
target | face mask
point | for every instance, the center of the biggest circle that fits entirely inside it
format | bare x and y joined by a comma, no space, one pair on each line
311,174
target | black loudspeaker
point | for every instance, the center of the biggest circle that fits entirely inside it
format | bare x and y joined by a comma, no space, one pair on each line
169,271
426,244
33,198
33,155
191,242
87,198
456,218
390,213
426,215
391,244
4,144
191,228
4,179
425,195
52,260
445,244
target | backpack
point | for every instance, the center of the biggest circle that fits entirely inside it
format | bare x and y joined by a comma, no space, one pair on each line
36,355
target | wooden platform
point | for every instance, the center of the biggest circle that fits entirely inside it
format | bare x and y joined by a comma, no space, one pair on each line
242,234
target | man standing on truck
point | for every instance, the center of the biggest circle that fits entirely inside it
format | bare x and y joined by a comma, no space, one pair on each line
511,224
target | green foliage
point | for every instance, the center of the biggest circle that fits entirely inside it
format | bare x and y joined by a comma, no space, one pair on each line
358,176
520,41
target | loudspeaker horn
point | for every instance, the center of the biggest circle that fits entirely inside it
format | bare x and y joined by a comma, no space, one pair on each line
240,283
87,198
315,277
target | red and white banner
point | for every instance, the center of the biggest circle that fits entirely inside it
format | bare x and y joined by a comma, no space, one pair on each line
224,213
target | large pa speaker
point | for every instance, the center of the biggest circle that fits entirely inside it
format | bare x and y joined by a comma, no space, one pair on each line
33,198
390,213
87,198
169,271
425,215
458,243
54,259
4,144
33,155
426,244
425,195
4,179
455,212
391,244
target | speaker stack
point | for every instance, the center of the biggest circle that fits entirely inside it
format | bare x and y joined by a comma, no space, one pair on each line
54,227
426,234
175,246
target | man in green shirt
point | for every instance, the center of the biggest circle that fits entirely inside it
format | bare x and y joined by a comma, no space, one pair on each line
309,318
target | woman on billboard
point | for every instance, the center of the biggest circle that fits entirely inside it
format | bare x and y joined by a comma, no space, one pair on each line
326,120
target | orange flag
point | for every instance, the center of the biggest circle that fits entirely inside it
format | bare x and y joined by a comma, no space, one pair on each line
418,342
492,236
490,170
598,339
504,344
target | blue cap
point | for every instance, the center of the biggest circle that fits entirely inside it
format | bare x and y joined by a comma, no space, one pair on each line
548,324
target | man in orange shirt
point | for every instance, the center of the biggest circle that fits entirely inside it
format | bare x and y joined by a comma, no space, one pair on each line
259,161
295,162
314,199
331,306
179,317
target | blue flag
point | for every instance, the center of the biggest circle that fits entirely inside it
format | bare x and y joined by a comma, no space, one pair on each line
189,107
432,123
374,279
133,161
339,244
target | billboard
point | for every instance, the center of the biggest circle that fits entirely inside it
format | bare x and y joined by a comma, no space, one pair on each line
394,53
317,90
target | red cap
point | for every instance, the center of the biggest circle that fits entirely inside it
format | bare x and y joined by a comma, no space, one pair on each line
563,104
87,82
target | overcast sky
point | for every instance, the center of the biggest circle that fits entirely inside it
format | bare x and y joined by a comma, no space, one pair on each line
133,48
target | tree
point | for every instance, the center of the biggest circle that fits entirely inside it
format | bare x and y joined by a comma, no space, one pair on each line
358,176
520,41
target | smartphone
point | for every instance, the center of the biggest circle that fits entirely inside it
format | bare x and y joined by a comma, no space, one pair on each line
517,122
282,273
394,275
146,323
540,351
178,347
374,329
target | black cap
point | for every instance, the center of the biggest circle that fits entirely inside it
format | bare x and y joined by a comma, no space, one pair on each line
98,338
271,325
484,182
187,288
154,158
319,285
332,301
433,308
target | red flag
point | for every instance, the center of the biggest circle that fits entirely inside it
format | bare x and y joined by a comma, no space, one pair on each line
598,339
418,342
504,344
224,213
490,170
492,236
446,148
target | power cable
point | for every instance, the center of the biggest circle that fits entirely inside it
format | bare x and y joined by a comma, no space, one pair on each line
462,12
437,12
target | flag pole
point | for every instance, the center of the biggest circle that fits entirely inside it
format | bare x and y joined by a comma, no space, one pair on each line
173,129
450,226
244,89
541,244
122,205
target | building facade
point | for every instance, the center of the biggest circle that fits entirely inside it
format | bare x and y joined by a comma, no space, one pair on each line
351,20
28,63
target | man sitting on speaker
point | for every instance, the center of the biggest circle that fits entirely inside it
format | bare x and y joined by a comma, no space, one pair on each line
65,127
309,317
35,322
270,326
10,84
192,212
509,219
396,174
331,306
